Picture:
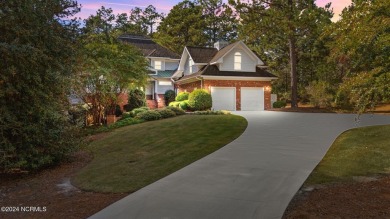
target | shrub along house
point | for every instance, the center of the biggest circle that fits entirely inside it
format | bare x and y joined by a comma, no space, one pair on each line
163,63
233,74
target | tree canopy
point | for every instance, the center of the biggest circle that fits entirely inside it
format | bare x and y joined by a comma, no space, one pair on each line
37,51
107,67
285,31
196,23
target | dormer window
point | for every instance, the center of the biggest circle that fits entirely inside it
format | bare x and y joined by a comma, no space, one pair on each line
237,61
157,65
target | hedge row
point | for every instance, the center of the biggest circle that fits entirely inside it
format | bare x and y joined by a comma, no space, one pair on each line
197,100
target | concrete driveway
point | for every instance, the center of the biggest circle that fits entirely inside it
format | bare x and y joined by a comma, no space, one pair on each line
254,176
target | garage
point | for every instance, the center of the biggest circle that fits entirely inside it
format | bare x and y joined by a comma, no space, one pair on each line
252,98
224,98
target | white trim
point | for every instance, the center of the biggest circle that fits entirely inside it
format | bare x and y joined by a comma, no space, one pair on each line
165,83
162,58
237,78
248,51
234,96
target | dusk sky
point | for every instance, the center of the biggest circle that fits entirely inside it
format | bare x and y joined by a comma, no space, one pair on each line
124,6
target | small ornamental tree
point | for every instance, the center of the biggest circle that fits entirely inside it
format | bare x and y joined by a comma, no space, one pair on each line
136,99
199,99
169,97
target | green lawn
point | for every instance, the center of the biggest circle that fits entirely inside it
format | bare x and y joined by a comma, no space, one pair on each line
356,152
132,157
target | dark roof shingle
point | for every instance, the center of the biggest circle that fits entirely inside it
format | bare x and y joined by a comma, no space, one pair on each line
212,70
148,47
201,54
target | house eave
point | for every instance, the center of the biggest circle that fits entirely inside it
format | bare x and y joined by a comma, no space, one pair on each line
164,58
236,78
188,80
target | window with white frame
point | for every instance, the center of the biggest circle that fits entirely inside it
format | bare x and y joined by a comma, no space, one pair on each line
237,61
191,63
157,65
165,83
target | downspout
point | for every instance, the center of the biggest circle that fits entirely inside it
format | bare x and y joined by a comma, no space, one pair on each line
201,81
174,86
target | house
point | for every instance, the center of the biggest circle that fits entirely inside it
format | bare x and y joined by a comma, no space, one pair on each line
163,63
233,74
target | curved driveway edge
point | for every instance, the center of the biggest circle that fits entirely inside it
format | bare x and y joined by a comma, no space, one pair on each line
254,176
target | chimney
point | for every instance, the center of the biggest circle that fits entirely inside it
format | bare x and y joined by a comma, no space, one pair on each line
220,44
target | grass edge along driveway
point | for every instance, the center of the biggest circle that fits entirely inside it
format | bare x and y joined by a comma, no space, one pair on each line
135,156
356,152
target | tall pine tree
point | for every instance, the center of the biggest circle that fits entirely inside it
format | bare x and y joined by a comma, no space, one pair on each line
276,27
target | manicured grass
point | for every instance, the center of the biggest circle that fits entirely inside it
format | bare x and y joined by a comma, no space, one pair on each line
357,152
132,157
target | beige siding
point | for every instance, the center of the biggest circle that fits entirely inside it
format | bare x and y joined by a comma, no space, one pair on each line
247,63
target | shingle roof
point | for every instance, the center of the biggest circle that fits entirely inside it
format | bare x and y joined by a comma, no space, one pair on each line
201,54
148,47
212,70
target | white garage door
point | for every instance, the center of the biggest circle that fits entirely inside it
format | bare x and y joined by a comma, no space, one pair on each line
224,98
252,98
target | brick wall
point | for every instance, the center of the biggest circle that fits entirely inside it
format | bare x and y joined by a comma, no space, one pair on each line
238,84
207,84
160,101
188,87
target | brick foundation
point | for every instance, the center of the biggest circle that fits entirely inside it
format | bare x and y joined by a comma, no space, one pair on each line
207,84
160,100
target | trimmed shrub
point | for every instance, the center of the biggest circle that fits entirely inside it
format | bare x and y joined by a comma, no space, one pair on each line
184,105
174,104
279,104
126,115
182,96
149,115
125,122
169,97
177,110
135,112
210,112
136,99
166,113
200,100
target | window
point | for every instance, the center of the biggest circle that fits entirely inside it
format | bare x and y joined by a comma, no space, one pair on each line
237,61
191,63
158,65
165,83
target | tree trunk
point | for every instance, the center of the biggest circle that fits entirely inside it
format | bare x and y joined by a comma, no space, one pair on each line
293,72
293,58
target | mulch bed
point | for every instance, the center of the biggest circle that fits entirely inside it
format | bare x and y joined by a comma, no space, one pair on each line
52,192
343,200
